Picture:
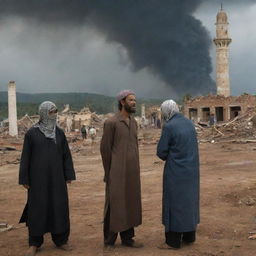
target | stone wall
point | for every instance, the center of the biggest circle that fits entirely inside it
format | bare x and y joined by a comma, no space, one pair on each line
224,108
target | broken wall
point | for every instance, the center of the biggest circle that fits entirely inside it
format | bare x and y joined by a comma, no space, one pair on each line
224,108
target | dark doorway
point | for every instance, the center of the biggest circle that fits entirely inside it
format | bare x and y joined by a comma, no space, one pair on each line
193,114
206,114
234,111
219,114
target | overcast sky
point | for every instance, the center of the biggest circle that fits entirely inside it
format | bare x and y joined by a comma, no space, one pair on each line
242,30
79,59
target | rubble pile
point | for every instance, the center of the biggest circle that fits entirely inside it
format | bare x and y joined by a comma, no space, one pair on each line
242,128
26,122
97,120
10,149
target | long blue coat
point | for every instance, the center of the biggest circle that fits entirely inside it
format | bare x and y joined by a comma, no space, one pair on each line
178,147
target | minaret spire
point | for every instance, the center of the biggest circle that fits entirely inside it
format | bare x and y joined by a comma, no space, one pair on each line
222,42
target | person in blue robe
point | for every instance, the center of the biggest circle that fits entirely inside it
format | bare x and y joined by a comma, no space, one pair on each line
178,147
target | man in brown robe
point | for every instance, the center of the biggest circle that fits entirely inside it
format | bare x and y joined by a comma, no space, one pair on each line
120,157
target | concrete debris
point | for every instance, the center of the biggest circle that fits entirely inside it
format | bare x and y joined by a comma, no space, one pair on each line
249,201
5,227
95,118
71,138
66,109
7,149
15,161
252,237
70,121
26,122
202,108
241,129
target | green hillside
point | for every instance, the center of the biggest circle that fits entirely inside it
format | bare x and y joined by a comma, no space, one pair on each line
28,103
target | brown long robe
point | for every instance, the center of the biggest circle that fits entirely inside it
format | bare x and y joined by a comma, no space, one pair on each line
120,156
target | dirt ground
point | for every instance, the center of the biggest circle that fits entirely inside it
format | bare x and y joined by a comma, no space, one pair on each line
228,204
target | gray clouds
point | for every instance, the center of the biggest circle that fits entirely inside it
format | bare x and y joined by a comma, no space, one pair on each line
55,59
93,46
241,15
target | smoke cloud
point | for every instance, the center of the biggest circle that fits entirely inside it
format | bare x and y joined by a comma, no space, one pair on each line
160,36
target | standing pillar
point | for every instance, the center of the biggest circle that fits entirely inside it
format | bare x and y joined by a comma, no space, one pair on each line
143,114
213,110
199,114
228,113
12,109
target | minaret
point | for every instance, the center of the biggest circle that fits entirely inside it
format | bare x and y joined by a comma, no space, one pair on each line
12,109
222,42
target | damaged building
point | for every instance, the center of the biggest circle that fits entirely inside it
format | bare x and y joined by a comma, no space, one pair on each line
153,114
223,106
73,120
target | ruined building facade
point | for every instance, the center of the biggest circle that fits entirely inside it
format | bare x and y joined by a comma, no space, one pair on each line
224,108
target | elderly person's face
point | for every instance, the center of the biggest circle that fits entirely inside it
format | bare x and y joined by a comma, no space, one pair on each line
129,103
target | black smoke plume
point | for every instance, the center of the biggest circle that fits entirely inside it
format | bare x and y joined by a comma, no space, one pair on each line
159,35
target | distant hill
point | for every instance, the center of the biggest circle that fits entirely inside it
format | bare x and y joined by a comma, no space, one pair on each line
28,103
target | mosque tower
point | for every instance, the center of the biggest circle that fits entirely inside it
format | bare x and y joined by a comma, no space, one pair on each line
222,42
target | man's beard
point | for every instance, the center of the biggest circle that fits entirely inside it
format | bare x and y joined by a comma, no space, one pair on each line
129,109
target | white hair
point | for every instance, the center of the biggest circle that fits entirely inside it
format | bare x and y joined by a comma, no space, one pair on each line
168,109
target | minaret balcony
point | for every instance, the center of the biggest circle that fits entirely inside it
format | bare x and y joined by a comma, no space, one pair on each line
222,42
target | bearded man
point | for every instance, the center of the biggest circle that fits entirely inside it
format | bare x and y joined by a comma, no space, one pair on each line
45,169
120,156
